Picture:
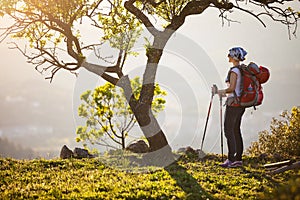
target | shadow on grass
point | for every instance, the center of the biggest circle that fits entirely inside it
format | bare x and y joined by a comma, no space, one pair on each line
187,182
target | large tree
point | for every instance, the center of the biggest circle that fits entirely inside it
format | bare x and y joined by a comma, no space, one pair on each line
52,30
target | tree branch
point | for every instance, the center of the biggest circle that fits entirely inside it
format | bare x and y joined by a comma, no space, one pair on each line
251,13
191,8
295,165
130,124
99,69
112,128
141,16
108,133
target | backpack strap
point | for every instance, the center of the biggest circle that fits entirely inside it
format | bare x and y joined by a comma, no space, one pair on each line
236,99
228,74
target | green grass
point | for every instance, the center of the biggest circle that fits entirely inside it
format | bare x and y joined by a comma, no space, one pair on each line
189,178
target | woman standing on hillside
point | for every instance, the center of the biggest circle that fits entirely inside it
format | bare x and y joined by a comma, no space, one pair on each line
233,114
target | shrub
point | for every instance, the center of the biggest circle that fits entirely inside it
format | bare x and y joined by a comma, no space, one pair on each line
283,137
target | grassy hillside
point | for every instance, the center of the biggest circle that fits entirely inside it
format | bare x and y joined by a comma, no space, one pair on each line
189,178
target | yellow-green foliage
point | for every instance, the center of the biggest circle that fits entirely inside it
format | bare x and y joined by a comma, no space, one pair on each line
120,27
283,138
108,115
37,14
189,179
286,191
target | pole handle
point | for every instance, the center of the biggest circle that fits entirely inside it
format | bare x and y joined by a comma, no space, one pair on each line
214,89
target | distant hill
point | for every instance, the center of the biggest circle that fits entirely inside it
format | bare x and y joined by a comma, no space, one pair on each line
36,115
11,150
34,102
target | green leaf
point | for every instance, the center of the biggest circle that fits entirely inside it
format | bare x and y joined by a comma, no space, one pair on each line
108,103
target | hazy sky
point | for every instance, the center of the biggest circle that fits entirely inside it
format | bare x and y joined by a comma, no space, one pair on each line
269,46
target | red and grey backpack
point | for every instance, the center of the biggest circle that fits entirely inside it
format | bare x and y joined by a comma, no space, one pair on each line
252,77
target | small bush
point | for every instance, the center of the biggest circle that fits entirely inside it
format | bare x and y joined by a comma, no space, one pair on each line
283,138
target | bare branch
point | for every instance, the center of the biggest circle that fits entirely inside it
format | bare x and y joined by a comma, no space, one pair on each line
191,8
98,69
94,9
130,124
251,13
292,166
92,46
225,17
141,16
53,72
98,55
287,17
112,128
108,133
110,79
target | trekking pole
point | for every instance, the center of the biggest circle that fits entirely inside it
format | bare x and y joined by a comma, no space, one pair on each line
221,126
208,113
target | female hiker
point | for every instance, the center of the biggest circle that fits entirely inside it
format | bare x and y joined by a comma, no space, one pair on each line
233,114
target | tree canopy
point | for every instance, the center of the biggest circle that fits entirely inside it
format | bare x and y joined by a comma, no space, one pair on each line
55,41
52,27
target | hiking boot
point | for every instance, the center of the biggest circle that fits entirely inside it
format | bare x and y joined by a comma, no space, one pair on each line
236,164
227,163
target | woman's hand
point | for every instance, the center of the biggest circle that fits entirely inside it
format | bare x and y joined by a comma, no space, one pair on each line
214,90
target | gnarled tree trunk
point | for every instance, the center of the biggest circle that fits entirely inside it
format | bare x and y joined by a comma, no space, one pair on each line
141,107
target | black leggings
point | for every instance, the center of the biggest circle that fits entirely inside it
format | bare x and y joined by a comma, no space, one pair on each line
232,123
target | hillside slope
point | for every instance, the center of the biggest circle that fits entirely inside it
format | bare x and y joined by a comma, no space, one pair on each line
189,178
